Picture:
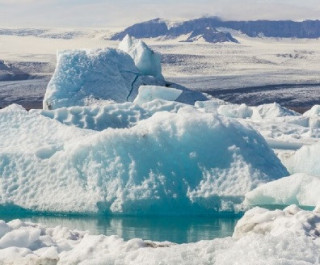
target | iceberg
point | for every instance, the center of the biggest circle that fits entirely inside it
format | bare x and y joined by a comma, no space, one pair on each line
91,77
85,76
183,162
300,189
305,160
313,112
81,75
270,111
235,111
260,237
146,60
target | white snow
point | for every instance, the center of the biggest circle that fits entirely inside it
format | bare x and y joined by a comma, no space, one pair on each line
147,61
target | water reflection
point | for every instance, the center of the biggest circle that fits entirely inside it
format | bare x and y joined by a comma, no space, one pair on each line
175,229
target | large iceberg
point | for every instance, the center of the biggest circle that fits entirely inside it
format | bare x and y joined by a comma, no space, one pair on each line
261,237
186,162
85,76
90,74
147,61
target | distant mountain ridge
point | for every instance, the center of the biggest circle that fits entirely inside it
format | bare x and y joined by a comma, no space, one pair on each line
207,29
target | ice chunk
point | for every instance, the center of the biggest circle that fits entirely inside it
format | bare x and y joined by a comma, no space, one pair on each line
83,77
269,111
300,189
171,163
147,61
211,105
305,160
235,111
84,74
149,93
313,112
314,117
277,223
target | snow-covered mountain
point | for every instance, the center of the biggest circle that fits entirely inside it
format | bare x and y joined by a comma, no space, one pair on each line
207,29
190,32
55,33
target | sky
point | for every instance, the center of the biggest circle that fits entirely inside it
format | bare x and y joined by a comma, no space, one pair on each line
122,13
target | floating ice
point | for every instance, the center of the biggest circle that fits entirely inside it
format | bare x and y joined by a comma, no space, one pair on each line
313,112
171,163
314,117
261,237
266,111
85,74
82,76
211,105
149,93
147,61
269,111
305,160
300,189
235,111
88,77
292,219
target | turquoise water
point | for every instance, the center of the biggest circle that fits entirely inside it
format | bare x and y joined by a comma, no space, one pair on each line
175,229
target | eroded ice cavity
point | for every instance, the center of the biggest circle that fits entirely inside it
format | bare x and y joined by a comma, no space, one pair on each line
147,61
82,76
171,163
149,93
300,189
261,237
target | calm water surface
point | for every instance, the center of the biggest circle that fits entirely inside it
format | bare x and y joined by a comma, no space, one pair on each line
175,229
